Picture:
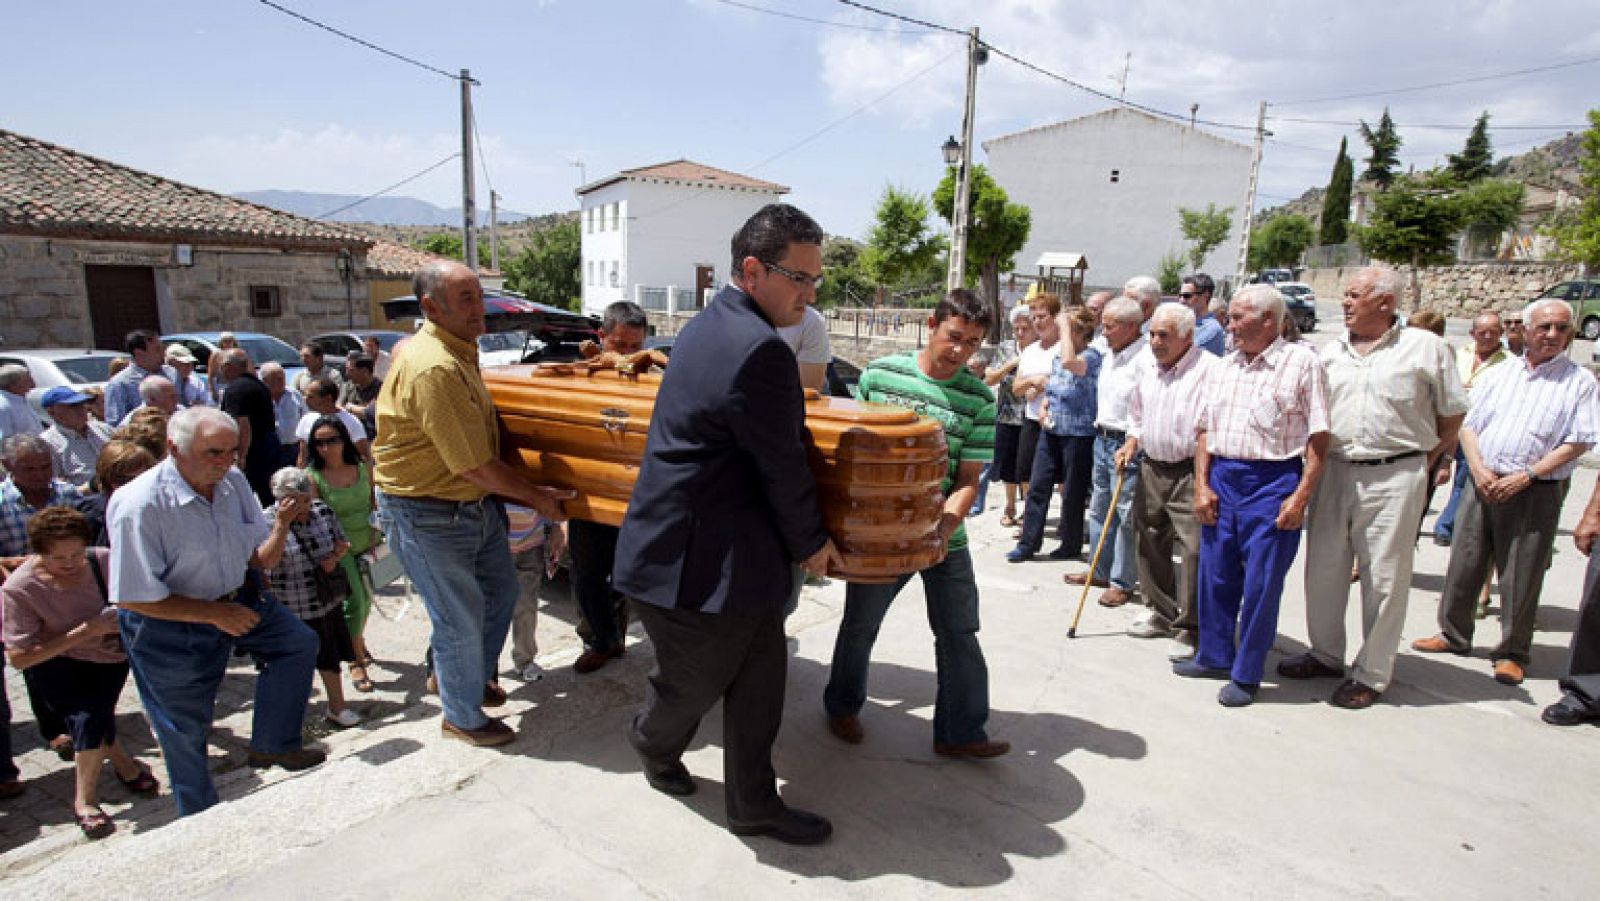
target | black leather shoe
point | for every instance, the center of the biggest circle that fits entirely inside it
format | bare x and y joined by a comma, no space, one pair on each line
673,780
1065,553
293,759
1307,666
793,826
1567,712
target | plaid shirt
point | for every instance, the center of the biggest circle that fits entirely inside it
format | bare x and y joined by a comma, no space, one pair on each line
1266,408
1168,405
1521,413
291,580
15,513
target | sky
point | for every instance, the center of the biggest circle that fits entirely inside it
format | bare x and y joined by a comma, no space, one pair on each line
830,100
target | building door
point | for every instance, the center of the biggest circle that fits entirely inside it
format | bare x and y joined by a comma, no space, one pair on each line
702,283
121,299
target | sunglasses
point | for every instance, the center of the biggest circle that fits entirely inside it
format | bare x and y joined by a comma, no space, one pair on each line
328,442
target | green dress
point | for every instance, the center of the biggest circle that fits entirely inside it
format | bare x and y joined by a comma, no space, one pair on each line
353,507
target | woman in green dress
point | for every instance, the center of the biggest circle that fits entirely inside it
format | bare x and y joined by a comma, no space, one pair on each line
343,482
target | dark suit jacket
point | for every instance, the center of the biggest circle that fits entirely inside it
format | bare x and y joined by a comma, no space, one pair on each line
725,503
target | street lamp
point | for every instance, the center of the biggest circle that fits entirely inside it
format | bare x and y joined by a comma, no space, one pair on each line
952,151
346,265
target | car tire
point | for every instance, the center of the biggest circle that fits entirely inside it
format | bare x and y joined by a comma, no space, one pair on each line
1590,330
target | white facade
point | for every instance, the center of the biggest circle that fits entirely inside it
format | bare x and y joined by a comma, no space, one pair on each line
1109,186
644,237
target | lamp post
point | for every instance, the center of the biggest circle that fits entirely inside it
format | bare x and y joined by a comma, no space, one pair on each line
959,153
346,265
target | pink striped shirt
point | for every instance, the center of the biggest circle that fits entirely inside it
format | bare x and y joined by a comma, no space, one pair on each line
1167,405
1269,407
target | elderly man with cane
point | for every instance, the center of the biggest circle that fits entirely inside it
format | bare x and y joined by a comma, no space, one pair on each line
1257,462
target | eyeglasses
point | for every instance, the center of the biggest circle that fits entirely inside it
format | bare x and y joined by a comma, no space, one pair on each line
799,278
328,442
1185,294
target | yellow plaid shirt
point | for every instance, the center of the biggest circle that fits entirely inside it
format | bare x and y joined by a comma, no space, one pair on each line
435,420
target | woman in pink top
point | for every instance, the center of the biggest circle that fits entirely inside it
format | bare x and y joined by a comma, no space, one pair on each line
61,631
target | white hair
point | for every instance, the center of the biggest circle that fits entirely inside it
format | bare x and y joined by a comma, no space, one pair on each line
1177,315
12,374
183,425
290,481
150,387
1143,288
1020,311
14,448
1384,280
269,368
1122,309
1532,309
1264,298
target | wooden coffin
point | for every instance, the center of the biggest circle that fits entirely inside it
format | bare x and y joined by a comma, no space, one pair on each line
878,468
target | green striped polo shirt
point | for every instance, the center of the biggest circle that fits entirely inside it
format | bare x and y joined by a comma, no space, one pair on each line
962,405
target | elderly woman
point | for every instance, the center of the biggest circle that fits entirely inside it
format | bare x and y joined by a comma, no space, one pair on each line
1065,453
342,481
313,541
119,463
146,427
61,631
1000,376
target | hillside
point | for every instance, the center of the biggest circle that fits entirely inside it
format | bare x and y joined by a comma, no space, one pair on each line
513,237
377,210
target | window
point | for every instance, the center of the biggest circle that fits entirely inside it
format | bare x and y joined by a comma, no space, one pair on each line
1116,175
614,282
588,220
264,301
1593,292
616,221
588,272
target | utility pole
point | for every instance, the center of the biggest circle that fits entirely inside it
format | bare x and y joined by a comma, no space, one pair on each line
976,55
494,230
1250,195
469,204
1127,61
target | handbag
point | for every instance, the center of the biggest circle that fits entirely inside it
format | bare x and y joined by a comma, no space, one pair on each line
332,587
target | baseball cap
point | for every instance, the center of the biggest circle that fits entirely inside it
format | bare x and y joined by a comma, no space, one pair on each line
180,353
62,394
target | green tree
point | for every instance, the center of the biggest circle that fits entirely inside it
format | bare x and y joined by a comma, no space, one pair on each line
1280,241
1576,229
1169,271
1205,231
1489,206
845,283
1384,144
1413,223
997,229
901,246
549,269
1336,201
448,244
1476,159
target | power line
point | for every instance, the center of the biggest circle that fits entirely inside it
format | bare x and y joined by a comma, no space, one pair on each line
1439,127
367,44
903,18
400,183
1446,84
483,163
799,18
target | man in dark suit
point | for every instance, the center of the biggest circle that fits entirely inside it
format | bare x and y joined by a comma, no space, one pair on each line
723,507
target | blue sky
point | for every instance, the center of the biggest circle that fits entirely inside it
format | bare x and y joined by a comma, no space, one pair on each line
232,95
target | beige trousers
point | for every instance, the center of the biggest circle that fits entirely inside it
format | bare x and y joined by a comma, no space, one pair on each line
1367,516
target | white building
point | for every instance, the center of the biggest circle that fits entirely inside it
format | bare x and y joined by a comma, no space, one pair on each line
659,236
1109,185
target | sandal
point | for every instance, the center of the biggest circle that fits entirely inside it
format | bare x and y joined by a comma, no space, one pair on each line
145,784
95,825
1009,519
359,678
62,745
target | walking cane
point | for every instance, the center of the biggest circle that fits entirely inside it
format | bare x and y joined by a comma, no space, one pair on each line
1111,511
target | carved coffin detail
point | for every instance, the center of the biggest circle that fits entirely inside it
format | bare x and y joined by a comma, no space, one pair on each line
878,468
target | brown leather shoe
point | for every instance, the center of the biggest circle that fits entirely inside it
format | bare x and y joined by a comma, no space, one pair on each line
1438,644
592,659
1508,672
1113,597
490,735
1080,578
1353,695
493,694
976,749
847,728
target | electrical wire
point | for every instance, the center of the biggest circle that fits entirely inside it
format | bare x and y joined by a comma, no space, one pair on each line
478,141
367,44
799,18
1438,127
400,183
933,26
1477,79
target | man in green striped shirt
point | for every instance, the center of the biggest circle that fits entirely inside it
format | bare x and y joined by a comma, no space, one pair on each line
933,382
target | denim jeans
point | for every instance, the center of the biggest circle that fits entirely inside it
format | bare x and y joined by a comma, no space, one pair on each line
178,667
1064,460
1444,527
961,707
457,556
1119,560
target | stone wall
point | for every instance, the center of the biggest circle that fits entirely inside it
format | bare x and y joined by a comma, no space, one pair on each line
859,350
1460,291
44,298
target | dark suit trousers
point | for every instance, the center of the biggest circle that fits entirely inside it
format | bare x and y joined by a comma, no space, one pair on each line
1516,536
701,658
1582,680
604,613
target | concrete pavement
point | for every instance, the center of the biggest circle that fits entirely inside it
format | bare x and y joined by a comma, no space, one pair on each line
1124,781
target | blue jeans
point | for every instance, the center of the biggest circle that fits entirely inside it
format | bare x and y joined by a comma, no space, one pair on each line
178,667
1064,460
457,556
1243,559
1119,560
961,707
1445,525
983,490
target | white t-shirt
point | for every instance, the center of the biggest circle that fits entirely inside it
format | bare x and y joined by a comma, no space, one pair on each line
1037,359
808,339
353,425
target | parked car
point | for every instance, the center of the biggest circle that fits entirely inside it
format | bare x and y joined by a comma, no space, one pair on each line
552,333
1302,303
261,348
501,348
1273,276
337,345
53,366
1584,296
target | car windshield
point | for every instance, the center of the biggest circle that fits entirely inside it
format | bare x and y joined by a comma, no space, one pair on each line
267,349
386,340
86,369
1296,290
494,341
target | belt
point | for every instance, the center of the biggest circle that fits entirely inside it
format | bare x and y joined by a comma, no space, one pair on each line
441,502
1187,462
1114,434
1385,461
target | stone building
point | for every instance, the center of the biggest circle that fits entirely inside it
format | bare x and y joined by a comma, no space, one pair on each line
90,250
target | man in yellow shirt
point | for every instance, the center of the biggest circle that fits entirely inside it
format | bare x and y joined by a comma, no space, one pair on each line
439,478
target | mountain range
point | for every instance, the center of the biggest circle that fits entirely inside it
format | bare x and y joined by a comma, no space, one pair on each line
378,210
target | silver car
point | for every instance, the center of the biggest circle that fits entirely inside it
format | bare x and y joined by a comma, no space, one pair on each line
52,366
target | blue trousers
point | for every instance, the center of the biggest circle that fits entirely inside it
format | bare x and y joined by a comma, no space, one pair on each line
1119,560
1445,525
1243,559
178,667
961,707
1065,460
457,556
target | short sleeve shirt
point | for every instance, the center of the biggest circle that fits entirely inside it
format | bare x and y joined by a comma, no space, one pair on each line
166,539
358,432
435,420
38,610
1266,407
809,338
1036,359
1389,400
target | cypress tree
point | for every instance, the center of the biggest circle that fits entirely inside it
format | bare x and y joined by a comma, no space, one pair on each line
1336,201
1476,159
1384,144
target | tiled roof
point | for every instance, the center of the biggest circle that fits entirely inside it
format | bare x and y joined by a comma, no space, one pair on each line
51,191
688,172
391,259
